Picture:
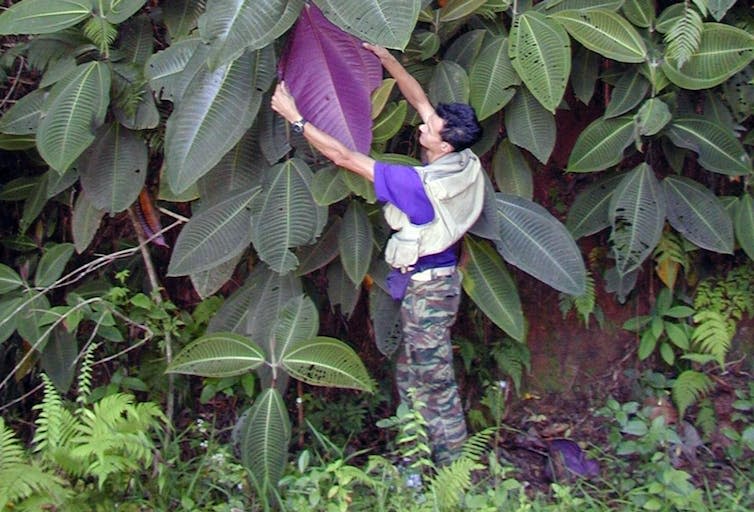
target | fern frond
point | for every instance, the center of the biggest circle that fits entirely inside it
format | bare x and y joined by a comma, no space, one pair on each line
713,334
11,451
688,388
684,37
669,256
513,359
478,444
21,481
84,383
451,482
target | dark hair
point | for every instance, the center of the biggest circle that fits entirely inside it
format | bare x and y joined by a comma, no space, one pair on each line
461,129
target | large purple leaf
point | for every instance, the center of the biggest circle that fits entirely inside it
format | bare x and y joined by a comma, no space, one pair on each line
332,77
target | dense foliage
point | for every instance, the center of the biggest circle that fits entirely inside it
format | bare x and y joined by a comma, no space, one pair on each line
161,220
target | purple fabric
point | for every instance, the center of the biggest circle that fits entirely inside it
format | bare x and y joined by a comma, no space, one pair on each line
401,185
397,282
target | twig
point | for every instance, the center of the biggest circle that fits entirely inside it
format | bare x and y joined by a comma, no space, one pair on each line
13,85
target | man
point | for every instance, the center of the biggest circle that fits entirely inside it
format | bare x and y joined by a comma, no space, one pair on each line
431,207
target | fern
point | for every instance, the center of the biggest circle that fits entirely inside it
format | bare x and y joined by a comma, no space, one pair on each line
101,32
670,255
713,334
85,375
513,359
688,388
685,36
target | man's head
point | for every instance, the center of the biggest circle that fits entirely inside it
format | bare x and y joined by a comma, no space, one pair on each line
461,128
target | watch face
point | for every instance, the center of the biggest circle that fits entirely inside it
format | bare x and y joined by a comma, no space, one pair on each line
298,126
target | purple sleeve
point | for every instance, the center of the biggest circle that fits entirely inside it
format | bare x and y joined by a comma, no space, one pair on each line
402,186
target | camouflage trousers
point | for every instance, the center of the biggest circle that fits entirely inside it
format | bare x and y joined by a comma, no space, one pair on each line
425,361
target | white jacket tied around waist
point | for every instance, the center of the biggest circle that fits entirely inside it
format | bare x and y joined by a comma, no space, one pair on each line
455,186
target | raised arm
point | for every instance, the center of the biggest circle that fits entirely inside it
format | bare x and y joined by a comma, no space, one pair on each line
408,85
284,104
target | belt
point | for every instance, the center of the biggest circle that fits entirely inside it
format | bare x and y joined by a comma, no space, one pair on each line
433,273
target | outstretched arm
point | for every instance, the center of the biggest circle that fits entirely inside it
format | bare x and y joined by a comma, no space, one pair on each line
284,104
408,85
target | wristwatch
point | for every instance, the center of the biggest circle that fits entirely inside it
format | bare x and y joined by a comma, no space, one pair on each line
298,126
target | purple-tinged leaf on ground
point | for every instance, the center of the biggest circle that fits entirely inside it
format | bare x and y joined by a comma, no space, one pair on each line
332,77
568,460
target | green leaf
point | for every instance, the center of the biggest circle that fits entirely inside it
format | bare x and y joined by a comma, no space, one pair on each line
285,215
52,263
718,8
9,279
688,387
232,26
466,47
590,212
263,434
744,224
75,108
324,361
540,52
43,16
113,172
8,316
605,32
34,205
58,359
215,112
118,11
487,282
652,117
683,37
601,144
530,126
696,213
637,216
180,17
297,322
492,78
171,70
512,172
586,70
240,168
389,122
23,117
355,242
677,335
325,250
385,314
220,354
647,345
459,9
207,282
341,290
214,235
385,22
639,12
628,92
724,50
537,243
553,6
449,84
718,148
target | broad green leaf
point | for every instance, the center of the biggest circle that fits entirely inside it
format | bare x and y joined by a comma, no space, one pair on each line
385,314
423,45
113,172
637,216
341,291
326,250
285,215
553,6
9,308
489,284
381,95
58,359
389,122
653,116
385,22
180,16
52,263
449,84
724,51
530,126
586,70
458,9
605,32
744,224
118,11
718,149
58,183
19,189
171,70
263,436
297,322
214,235
324,361
17,142
601,144
540,52
640,12
215,112
590,211
328,186
44,16
718,8
9,279
241,167
231,26
355,242
220,354
34,205
75,108
136,41
512,172
492,78
628,92
207,282
696,213
23,117
29,319
537,243
85,222
465,48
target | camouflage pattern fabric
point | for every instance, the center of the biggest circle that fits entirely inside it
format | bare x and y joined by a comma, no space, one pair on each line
425,361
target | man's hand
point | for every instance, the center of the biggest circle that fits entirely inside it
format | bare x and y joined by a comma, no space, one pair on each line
284,104
381,52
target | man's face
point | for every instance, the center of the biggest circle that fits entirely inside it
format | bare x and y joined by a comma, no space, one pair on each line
429,133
